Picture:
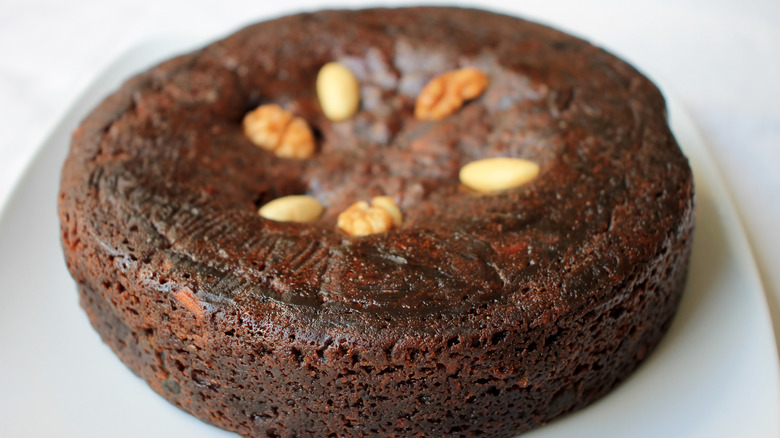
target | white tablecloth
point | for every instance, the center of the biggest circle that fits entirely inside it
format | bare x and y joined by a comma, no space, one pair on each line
721,57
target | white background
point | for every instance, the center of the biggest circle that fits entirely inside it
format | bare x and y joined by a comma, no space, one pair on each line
721,57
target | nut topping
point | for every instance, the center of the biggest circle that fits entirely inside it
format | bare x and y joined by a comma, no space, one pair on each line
338,91
360,219
274,129
495,174
296,208
446,93
387,203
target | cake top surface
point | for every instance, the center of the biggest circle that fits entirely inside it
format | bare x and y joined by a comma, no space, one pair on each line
172,185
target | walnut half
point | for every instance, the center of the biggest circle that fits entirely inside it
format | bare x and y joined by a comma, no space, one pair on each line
360,219
446,93
274,129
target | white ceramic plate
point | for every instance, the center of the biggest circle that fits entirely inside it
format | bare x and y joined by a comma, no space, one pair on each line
714,375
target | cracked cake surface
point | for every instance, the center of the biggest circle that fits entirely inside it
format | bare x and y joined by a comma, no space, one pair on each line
480,315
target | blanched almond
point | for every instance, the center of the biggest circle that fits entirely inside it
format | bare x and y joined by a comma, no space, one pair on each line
496,174
296,208
338,91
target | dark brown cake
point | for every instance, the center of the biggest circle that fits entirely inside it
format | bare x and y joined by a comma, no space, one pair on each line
482,315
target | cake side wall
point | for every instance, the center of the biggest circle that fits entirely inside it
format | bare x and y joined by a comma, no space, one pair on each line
259,388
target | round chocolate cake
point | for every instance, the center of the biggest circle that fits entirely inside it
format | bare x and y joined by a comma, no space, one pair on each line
481,313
